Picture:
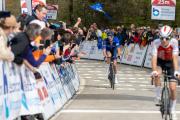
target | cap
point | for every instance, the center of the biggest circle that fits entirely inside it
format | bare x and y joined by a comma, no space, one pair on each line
40,23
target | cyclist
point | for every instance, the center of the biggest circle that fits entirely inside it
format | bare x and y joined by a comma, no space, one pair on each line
111,48
165,54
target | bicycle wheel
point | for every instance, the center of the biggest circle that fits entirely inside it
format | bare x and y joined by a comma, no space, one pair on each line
113,78
110,76
165,103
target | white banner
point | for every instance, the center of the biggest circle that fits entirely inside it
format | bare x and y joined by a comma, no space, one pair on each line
30,101
64,81
134,55
59,84
21,94
163,13
85,47
52,12
95,53
163,9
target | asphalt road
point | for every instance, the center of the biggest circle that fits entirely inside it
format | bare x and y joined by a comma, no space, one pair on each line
133,98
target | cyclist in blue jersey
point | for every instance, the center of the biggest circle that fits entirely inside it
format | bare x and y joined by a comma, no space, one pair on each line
111,50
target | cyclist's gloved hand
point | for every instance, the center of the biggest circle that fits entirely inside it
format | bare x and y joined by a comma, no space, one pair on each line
154,73
119,57
176,74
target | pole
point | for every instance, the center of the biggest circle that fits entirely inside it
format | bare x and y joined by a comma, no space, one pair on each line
29,6
2,5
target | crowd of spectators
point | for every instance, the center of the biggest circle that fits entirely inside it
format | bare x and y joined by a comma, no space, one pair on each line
32,40
142,36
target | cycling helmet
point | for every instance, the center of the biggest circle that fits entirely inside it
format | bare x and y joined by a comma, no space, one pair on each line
165,31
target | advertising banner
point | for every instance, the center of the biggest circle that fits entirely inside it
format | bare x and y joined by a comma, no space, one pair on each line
52,12
30,100
163,9
59,84
64,81
134,55
12,92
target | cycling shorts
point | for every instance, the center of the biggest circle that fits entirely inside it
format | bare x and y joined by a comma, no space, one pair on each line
170,68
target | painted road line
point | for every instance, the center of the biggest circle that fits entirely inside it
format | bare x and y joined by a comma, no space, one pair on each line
113,111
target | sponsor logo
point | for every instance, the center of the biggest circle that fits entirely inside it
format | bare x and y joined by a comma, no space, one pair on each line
155,12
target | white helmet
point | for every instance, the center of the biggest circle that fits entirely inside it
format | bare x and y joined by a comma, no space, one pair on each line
165,31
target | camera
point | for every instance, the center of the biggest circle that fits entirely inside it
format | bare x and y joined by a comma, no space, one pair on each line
4,14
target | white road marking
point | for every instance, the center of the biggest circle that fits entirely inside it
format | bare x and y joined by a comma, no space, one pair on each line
113,111
97,80
128,85
132,89
122,78
101,88
87,77
85,74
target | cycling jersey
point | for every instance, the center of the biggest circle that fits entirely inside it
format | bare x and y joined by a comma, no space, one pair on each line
112,47
165,53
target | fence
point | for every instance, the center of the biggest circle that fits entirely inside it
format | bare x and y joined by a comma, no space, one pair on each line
21,94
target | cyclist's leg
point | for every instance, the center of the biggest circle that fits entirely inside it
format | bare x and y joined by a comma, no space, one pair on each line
172,86
157,83
108,54
114,57
108,57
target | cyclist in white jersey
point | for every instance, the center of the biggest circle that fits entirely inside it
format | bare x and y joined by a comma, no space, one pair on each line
165,54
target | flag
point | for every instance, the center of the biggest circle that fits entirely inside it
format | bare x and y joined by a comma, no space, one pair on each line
99,7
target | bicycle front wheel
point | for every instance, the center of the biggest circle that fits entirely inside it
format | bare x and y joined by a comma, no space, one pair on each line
165,101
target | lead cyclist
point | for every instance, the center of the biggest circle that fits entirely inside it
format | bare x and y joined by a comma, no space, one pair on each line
111,48
165,54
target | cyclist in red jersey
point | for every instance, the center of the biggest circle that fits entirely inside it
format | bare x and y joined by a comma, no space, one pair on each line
165,54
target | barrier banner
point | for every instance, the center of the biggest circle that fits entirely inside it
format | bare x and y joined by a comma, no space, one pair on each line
59,86
12,92
72,76
30,101
85,47
51,91
95,53
134,55
21,94
64,82
147,62
76,80
67,78
1,90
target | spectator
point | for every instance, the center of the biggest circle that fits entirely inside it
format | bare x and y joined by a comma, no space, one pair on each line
39,14
22,46
5,52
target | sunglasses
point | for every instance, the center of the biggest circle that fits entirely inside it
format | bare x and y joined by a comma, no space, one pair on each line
167,38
